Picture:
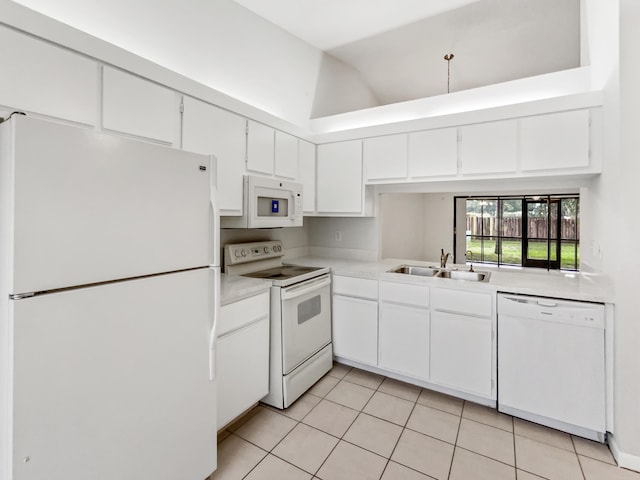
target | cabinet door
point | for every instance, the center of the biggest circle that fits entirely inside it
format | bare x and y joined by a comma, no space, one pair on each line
355,329
307,175
461,353
404,340
489,147
260,148
243,369
339,177
210,130
39,77
286,155
433,153
138,107
559,140
385,157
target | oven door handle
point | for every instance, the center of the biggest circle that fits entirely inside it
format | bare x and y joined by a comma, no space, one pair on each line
304,288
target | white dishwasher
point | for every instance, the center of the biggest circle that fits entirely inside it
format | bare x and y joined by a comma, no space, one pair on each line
551,363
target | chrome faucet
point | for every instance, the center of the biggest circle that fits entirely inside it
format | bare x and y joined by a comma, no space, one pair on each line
443,258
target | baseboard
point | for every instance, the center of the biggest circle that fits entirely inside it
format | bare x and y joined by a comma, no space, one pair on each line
624,460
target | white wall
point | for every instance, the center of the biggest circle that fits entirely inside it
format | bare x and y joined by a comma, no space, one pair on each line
439,225
608,207
217,43
627,264
402,226
340,89
358,237
415,226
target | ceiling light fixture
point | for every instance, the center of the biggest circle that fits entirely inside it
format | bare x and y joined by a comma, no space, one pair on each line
448,57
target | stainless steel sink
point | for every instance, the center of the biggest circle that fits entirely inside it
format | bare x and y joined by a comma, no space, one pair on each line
414,270
441,273
469,276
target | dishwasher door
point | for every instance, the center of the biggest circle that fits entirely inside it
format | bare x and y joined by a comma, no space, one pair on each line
551,363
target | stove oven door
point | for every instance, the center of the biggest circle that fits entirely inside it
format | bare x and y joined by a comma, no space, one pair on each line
306,320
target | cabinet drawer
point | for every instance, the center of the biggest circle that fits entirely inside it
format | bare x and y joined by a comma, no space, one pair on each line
355,287
405,293
241,313
457,301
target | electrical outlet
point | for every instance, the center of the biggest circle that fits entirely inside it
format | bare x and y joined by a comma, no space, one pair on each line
338,235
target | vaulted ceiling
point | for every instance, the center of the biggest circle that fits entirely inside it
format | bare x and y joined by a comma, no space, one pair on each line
398,47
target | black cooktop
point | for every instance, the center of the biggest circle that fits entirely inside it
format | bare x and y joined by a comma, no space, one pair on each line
284,272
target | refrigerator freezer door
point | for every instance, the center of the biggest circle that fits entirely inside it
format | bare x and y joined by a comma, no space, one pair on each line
112,382
92,207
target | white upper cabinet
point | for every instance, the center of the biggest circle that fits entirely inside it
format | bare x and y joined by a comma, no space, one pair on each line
260,148
433,153
307,175
41,78
286,155
559,140
489,147
210,130
385,158
139,107
339,178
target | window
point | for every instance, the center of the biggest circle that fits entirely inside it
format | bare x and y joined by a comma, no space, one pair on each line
530,231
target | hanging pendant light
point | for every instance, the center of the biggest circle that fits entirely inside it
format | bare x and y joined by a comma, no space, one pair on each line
448,57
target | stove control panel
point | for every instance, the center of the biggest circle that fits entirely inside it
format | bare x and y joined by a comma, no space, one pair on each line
251,252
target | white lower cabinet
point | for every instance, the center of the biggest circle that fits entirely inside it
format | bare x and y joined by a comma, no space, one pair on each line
355,329
404,340
461,353
242,356
355,319
440,337
462,342
403,332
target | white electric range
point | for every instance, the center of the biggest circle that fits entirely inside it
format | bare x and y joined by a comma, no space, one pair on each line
300,344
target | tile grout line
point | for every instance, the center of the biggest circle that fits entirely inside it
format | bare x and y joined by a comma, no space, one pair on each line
575,450
515,455
404,427
298,422
455,443
347,429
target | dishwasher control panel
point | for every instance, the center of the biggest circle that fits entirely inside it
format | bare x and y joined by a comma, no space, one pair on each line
557,310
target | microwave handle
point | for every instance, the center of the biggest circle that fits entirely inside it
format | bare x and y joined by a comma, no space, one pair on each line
306,287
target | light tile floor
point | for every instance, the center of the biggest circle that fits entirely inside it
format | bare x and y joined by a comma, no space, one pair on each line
355,425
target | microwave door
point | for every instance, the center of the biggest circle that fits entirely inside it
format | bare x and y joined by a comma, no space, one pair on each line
273,203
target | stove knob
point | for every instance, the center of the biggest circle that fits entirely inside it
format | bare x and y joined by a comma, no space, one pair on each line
243,253
236,253
266,249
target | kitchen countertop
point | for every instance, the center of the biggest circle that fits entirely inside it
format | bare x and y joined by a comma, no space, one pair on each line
234,288
568,285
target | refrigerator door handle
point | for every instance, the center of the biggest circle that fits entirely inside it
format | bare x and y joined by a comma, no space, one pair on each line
213,333
213,197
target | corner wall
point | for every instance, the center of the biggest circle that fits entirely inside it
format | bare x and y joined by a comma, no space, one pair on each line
610,207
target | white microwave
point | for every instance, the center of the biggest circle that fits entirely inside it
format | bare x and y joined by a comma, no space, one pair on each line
268,203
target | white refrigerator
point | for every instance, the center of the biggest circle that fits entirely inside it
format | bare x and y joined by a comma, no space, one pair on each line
109,290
